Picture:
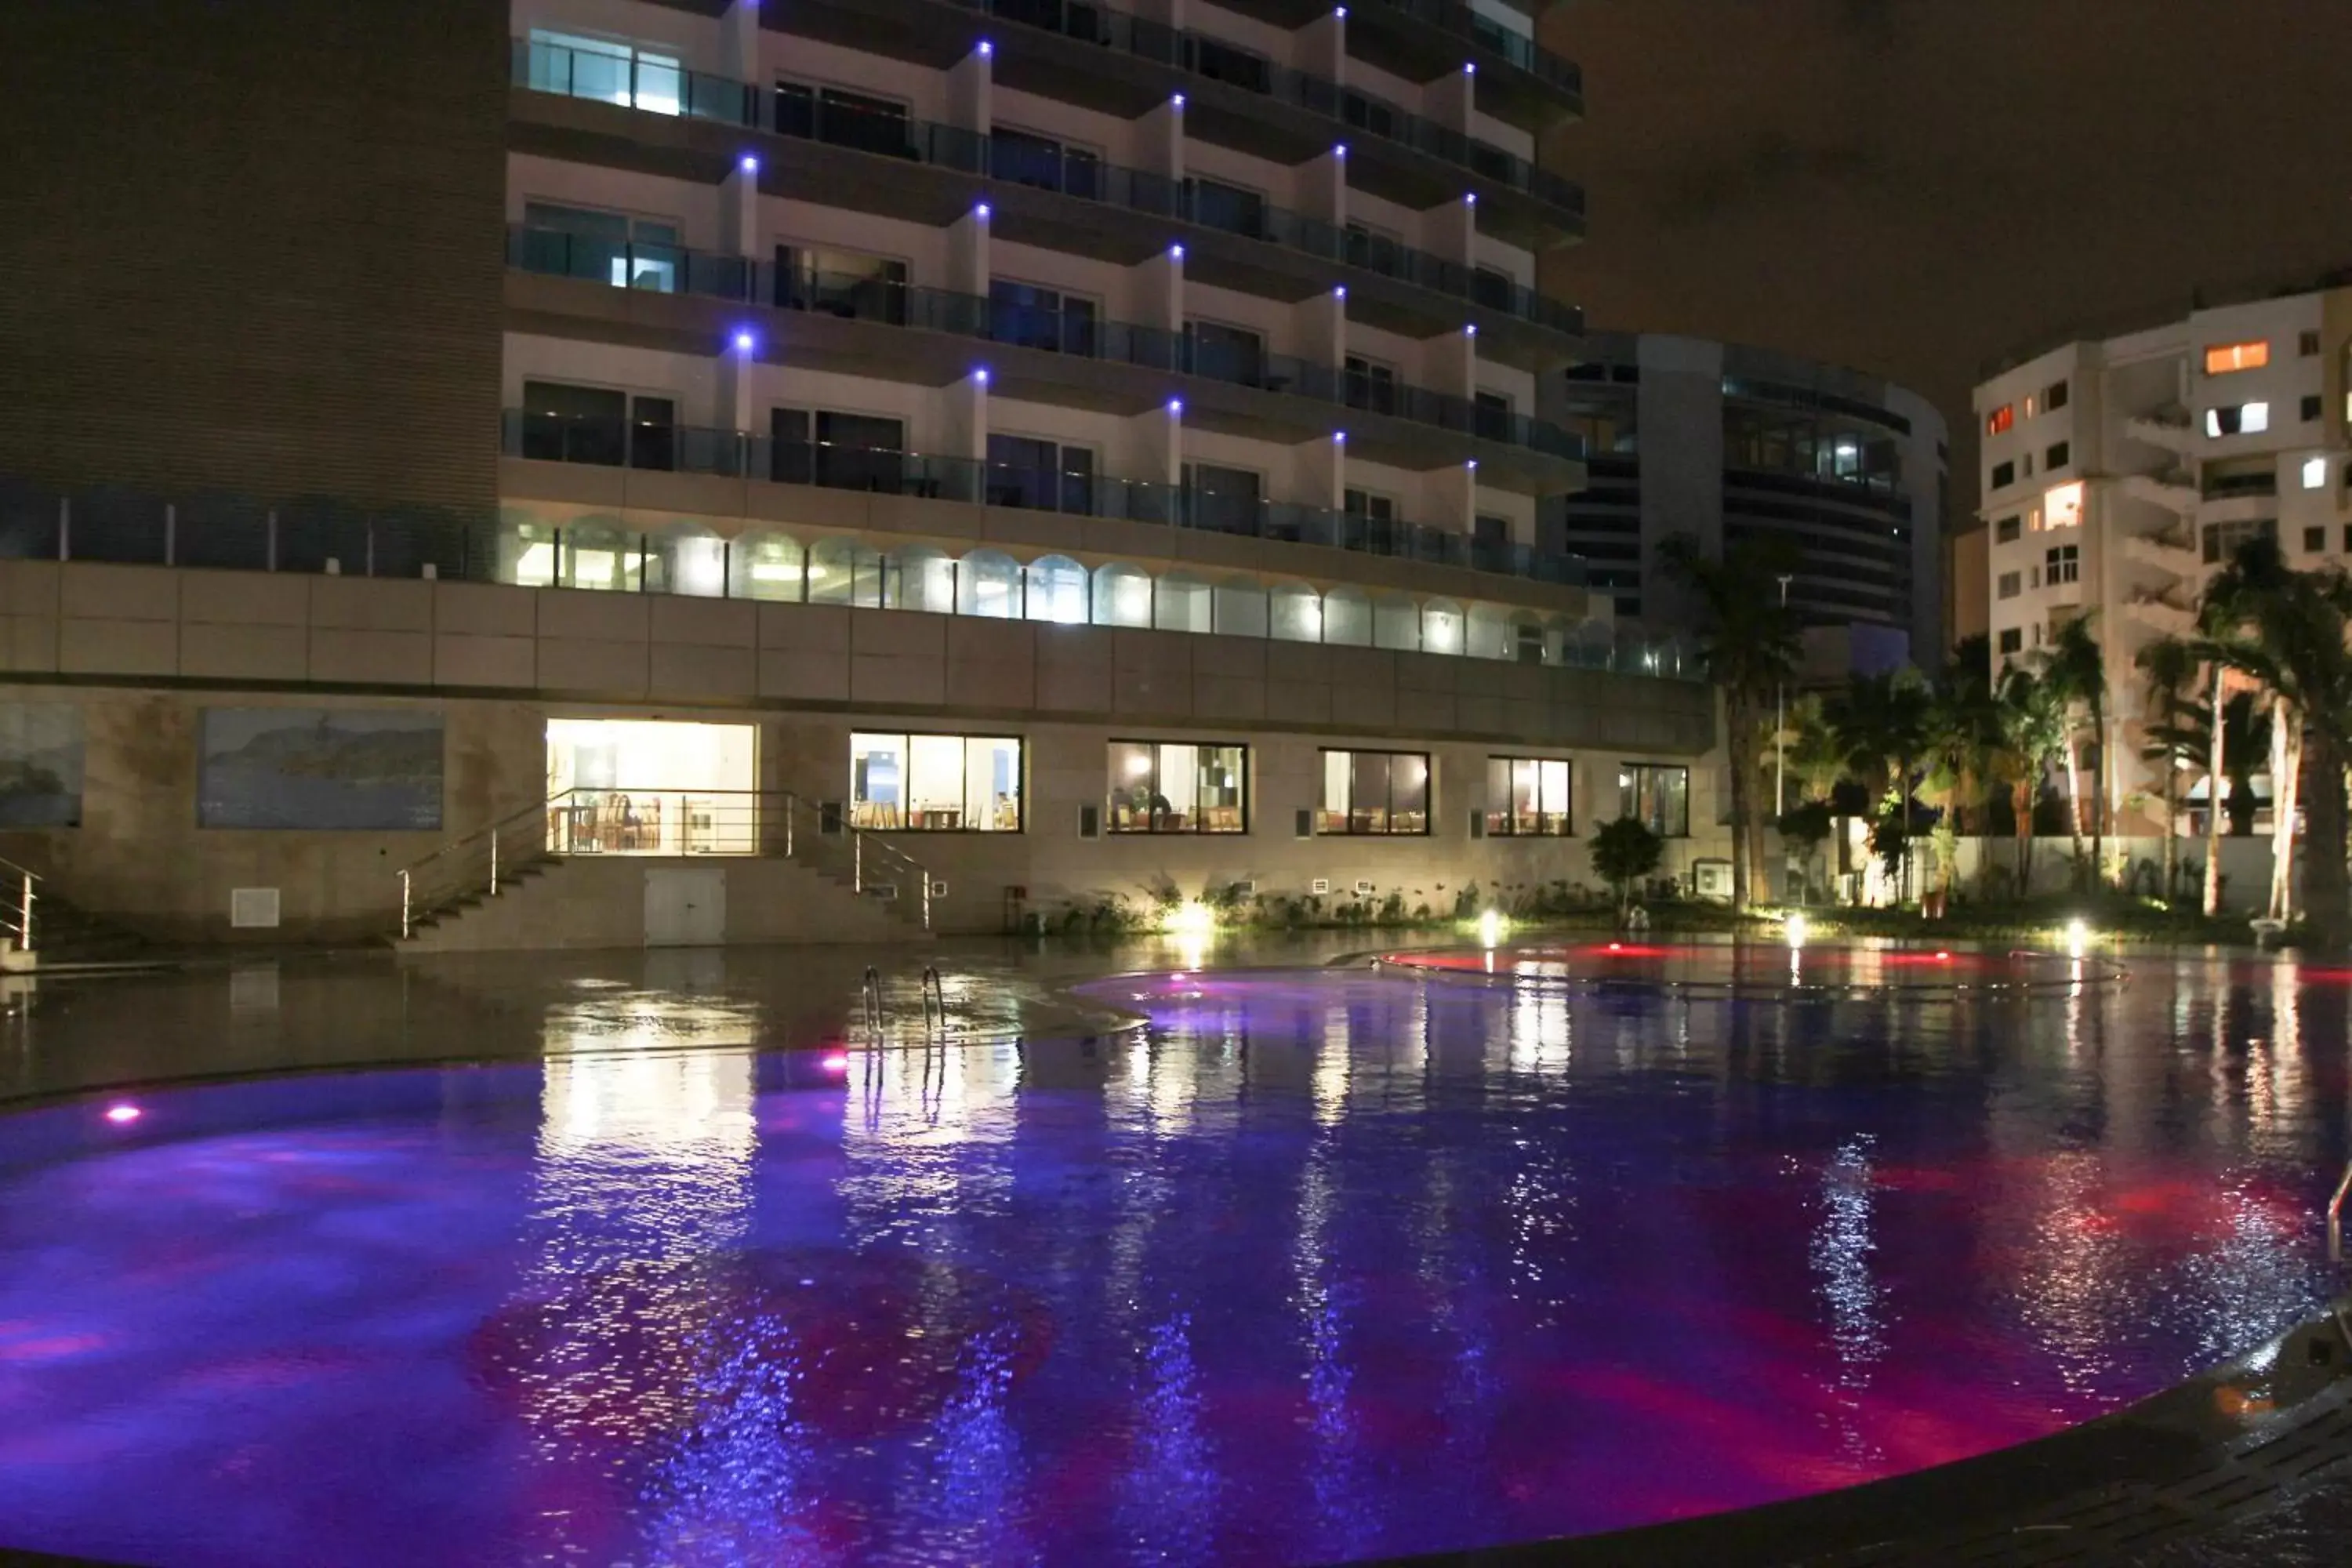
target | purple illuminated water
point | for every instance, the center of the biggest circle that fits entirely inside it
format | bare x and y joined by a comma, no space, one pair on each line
1323,1267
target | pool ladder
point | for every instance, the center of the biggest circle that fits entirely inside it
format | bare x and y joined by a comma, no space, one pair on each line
2335,1217
935,1002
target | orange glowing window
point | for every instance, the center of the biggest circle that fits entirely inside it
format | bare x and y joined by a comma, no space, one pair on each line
2224,358
2062,505
2000,419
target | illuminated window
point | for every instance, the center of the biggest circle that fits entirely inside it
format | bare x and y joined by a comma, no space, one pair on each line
1528,797
2062,505
2000,419
1656,794
2315,473
935,784
1374,793
2225,358
2031,410
2245,419
1177,787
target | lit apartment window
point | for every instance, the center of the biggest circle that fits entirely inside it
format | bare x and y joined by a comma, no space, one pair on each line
2060,454
2315,540
580,67
2004,474
2013,640
2055,397
935,784
2007,587
2062,505
2032,406
1657,794
1374,793
2006,530
2315,473
1178,787
2062,564
2308,344
1528,797
2225,358
2001,419
2244,419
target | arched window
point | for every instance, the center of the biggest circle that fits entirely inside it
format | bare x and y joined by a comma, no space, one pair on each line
1348,617
1180,603
1296,613
1238,608
1122,595
1057,590
600,553
1441,626
1396,623
988,583
918,578
765,566
687,558
1527,644
841,570
527,550
1488,634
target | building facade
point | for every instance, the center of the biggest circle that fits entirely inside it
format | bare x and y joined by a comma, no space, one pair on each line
2121,472
1726,442
1077,450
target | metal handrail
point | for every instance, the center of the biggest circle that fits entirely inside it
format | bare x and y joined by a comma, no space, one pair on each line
2335,1217
476,863
934,992
870,994
16,917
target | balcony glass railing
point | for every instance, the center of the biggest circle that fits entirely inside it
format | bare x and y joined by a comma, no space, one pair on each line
800,115
748,455
859,297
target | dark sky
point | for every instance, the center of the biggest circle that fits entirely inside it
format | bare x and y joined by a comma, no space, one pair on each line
1915,186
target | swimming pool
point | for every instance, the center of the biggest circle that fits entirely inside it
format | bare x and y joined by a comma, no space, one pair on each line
1323,1266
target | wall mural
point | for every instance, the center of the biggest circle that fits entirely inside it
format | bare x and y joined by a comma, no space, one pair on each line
319,768
40,765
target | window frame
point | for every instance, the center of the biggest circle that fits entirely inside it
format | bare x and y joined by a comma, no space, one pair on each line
907,739
2009,530
2002,419
2233,359
1503,820
1347,814
1630,791
1110,821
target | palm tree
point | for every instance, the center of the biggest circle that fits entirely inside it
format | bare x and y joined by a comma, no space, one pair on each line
1882,722
1963,728
1749,642
2074,667
2170,664
2272,620
2031,719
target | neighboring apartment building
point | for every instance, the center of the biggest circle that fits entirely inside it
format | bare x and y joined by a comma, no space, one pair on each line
1074,447
2120,473
1728,442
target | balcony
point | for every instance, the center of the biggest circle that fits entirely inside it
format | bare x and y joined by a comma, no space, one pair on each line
2172,552
639,269
2176,491
2167,428
954,151
2167,612
750,456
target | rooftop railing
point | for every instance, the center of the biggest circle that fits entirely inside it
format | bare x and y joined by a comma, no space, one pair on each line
803,114
669,269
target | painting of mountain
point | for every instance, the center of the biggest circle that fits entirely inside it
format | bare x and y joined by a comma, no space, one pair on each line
322,769
40,765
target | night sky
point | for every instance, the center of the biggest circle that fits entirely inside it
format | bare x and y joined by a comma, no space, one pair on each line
1915,186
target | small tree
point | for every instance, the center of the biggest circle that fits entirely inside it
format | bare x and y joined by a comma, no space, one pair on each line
1624,852
1807,826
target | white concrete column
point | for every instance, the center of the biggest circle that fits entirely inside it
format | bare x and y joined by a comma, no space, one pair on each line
970,89
1320,187
1151,447
1450,231
1155,290
1320,324
1449,496
739,207
1449,362
1320,47
1159,140
1449,100
739,43
1319,470
964,429
967,259
739,360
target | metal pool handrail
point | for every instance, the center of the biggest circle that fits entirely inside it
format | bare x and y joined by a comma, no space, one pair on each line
934,994
2335,1217
870,995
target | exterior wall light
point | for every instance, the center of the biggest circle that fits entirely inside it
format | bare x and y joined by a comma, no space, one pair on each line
1177,101
980,212
1175,406
744,342
981,375
986,49
749,163
1176,253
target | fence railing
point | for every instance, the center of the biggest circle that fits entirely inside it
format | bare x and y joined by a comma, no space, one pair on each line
806,114
19,890
617,820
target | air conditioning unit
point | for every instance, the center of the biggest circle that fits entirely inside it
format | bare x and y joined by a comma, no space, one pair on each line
1711,879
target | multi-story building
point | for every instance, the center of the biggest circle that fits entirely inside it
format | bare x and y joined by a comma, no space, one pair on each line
1726,442
2120,472
1064,446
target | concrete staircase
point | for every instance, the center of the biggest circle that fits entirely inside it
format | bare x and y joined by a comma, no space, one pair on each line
602,901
